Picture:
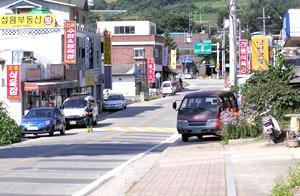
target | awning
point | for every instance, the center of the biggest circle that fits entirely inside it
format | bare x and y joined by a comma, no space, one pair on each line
49,85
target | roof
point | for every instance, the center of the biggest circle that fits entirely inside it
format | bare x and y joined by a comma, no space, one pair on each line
122,69
207,93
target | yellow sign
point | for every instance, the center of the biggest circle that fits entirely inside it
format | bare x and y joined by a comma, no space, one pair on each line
107,47
27,20
173,59
89,80
260,53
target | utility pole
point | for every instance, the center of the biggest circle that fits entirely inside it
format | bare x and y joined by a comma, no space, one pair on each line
263,18
223,54
232,42
218,61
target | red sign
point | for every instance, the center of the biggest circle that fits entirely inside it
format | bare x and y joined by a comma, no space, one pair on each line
244,66
13,81
70,42
150,70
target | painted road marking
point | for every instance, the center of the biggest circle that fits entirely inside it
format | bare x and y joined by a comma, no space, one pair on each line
139,129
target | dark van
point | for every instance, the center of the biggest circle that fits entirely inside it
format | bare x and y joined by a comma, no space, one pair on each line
199,112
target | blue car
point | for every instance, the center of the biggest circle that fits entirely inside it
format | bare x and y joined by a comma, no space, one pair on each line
43,120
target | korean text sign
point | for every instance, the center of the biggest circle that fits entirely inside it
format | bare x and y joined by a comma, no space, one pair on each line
70,42
260,53
27,20
13,81
150,70
244,68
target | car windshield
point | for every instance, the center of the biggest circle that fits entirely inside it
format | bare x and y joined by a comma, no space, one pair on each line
166,85
114,97
208,103
75,103
41,113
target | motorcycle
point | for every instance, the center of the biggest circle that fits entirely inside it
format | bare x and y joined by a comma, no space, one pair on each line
271,126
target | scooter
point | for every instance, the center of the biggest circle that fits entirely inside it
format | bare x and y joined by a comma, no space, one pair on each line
271,126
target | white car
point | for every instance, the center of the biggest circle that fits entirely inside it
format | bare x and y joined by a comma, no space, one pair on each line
115,101
73,109
188,76
167,87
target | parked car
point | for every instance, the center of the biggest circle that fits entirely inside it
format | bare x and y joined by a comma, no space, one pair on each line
43,120
115,101
199,112
188,76
167,87
73,109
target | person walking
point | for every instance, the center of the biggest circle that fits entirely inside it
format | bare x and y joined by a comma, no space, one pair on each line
88,110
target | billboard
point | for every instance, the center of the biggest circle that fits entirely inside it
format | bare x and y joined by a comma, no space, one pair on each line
27,20
173,59
244,67
260,52
150,70
70,42
13,82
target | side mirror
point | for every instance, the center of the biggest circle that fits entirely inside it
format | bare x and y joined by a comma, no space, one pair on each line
174,105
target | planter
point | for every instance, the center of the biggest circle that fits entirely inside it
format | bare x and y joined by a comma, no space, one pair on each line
293,143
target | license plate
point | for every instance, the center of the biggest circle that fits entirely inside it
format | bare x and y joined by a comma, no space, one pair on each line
72,122
32,128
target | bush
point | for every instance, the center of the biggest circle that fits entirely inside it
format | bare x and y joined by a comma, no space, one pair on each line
245,125
9,130
285,188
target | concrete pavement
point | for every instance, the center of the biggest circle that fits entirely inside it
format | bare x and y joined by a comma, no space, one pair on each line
200,167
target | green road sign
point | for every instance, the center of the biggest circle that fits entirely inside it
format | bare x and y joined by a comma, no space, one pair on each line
203,48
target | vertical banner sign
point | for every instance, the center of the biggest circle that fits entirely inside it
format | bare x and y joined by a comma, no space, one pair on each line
13,81
260,53
150,70
107,47
173,59
70,42
244,68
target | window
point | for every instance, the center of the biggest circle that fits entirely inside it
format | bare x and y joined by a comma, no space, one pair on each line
152,30
200,103
156,53
139,53
124,30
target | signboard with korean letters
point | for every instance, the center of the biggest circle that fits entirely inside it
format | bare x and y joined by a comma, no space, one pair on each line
70,42
243,57
13,82
150,70
27,20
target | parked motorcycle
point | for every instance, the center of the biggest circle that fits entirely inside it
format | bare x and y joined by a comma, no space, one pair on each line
271,126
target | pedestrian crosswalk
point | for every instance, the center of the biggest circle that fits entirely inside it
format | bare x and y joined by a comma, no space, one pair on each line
137,129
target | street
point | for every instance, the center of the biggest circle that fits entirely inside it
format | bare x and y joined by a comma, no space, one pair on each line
69,164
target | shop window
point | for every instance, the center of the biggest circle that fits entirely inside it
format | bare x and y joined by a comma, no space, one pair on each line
139,53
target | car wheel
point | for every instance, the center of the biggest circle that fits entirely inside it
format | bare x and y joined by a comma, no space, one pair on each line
63,130
125,107
23,134
200,136
185,137
164,95
51,133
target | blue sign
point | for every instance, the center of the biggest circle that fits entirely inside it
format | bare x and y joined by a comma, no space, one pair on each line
186,59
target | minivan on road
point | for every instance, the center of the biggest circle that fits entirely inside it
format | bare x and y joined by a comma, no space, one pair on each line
199,112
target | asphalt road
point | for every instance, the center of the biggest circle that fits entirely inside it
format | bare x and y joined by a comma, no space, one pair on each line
71,164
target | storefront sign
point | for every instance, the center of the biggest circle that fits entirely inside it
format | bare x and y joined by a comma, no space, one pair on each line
107,47
150,70
13,81
244,68
173,59
89,79
27,20
57,71
260,53
70,42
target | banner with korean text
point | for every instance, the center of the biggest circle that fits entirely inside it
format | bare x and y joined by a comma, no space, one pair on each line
173,59
13,82
27,20
244,67
70,42
150,70
260,52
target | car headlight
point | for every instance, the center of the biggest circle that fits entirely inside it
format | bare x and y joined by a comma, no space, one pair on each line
211,122
47,123
182,122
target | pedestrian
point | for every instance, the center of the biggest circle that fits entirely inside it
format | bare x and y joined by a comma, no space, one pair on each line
88,110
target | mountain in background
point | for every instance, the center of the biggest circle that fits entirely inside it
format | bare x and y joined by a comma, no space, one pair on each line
208,15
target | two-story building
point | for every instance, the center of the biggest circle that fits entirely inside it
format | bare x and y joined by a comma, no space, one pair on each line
43,60
133,42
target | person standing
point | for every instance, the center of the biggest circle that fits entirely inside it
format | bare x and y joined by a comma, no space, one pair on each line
88,110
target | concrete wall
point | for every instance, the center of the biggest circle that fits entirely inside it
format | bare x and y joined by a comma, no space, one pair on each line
124,85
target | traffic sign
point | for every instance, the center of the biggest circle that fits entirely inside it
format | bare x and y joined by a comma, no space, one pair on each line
203,48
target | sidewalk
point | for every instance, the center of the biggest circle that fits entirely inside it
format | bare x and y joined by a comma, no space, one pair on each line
199,168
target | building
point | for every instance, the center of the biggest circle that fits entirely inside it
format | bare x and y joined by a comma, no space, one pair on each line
53,60
133,43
